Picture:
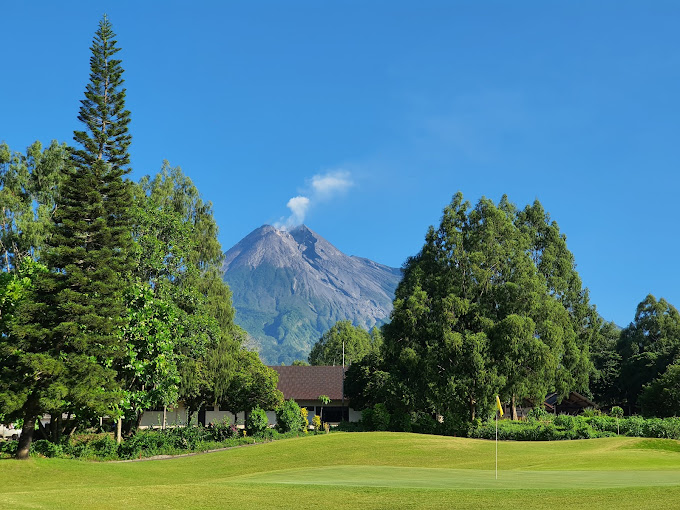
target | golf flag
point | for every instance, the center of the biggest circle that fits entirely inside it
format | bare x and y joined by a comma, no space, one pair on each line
499,406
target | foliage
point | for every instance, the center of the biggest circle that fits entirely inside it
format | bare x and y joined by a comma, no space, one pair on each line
606,384
304,414
257,422
616,412
647,347
316,422
28,188
538,414
68,323
376,417
289,418
251,385
328,350
148,369
368,382
661,397
177,252
492,301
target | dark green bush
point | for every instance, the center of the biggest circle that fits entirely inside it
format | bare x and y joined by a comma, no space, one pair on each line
289,418
401,422
257,422
539,414
47,448
222,430
8,448
105,447
425,424
349,426
376,418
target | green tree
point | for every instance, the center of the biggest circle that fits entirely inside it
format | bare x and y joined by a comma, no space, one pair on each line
252,385
177,252
606,386
661,397
75,311
328,350
148,369
28,186
480,310
648,346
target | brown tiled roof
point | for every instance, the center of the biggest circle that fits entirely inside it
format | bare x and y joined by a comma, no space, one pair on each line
307,383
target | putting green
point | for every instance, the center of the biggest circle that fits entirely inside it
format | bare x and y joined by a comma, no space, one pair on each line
442,478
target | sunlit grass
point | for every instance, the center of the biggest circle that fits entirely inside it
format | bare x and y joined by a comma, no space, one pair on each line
366,470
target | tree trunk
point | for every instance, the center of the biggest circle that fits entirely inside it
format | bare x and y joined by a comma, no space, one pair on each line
58,427
43,430
119,430
26,437
165,416
138,421
513,408
472,409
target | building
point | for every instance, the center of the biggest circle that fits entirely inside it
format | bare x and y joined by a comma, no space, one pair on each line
304,384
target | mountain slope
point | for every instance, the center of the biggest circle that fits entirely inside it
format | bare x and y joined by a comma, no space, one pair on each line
289,287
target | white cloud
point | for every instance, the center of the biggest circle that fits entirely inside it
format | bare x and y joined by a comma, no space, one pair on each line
331,183
298,207
320,188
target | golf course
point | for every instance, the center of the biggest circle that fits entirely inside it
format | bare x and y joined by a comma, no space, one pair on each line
364,470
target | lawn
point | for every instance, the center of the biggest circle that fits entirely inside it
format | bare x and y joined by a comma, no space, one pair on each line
364,470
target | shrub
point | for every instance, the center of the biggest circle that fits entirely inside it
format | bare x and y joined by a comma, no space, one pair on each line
46,448
104,447
539,414
425,424
376,418
222,430
616,412
348,426
316,423
304,413
590,412
566,421
288,417
8,447
401,422
455,425
257,422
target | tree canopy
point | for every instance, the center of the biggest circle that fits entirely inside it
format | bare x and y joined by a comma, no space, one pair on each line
343,341
491,305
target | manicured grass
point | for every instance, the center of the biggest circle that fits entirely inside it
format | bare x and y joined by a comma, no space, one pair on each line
365,470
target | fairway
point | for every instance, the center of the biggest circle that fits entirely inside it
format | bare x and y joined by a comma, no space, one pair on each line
364,470
441,478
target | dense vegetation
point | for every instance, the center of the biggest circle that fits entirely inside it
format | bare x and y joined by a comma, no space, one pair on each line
493,305
111,293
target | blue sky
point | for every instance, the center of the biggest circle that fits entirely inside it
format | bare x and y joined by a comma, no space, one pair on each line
378,112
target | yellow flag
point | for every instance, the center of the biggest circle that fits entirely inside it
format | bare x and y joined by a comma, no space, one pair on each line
499,406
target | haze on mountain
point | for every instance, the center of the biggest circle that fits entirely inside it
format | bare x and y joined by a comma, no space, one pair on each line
289,287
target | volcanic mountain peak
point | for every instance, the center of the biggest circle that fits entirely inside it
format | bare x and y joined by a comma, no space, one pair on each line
290,286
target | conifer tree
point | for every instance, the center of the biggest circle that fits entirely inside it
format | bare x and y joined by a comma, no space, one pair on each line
70,325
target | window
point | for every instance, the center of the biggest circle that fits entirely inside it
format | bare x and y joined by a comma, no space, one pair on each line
335,413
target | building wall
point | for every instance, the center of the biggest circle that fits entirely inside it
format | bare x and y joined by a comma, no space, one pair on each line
178,416
174,417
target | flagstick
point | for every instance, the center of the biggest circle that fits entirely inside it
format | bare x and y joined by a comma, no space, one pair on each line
496,445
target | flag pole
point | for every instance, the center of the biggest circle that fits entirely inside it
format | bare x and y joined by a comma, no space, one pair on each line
499,410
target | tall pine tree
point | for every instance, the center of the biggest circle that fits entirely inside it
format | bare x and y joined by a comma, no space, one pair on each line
69,327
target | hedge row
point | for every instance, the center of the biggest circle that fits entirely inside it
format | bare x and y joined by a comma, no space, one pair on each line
540,426
146,443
